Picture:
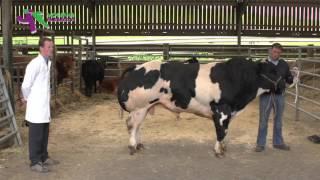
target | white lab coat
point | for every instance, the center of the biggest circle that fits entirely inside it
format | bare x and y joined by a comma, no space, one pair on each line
36,90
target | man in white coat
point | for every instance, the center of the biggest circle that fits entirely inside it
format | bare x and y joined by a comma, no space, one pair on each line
36,95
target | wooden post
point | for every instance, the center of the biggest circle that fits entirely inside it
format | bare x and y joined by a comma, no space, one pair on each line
93,41
79,60
239,23
93,32
166,50
310,51
240,10
7,44
74,56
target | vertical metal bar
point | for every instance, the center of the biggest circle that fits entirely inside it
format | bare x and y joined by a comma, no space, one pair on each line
298,86
73,55
77,64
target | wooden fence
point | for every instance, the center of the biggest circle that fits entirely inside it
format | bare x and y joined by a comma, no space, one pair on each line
180,17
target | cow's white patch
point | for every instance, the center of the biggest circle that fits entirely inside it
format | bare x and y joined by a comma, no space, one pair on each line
223,117
151,65
217,147
206,91
261,91
199,109
141,97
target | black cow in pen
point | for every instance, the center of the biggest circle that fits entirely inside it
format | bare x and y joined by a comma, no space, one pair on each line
92,73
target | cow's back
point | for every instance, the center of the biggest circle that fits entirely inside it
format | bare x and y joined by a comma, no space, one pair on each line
92,69
147,83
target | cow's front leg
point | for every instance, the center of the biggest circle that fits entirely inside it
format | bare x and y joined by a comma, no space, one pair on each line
220,146
133,124
221,117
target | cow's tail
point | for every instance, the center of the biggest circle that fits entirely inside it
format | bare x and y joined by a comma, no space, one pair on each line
121,96
120,113
129,69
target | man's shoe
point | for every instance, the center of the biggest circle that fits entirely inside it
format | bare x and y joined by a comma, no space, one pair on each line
39,167
282,147
315,139
259,149
50,162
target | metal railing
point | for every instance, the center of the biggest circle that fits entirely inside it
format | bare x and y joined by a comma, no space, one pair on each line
307,91
305,98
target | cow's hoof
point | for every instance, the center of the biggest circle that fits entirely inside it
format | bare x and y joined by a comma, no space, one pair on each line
132,150
140,146
219,155
224,148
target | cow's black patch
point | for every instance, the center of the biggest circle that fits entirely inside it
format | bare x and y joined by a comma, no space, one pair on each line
237,80
135,79
153,101
164,90
182,79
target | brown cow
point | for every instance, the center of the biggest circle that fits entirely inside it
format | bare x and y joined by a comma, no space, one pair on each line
64,65
109,85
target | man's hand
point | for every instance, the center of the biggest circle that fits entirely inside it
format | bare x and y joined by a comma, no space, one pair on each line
295,72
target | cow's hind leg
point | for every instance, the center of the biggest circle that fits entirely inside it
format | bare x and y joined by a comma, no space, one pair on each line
88,87
133,124
221,118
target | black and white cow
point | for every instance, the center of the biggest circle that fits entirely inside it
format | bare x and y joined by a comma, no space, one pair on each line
215,90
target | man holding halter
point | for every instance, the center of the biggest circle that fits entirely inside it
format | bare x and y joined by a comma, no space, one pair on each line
274,100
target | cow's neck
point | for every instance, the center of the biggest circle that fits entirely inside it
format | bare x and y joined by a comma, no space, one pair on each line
248,94
244,98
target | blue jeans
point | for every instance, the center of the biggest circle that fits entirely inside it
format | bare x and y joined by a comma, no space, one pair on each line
268,102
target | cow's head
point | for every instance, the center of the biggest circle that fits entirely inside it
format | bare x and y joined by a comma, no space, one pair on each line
269,78
64,66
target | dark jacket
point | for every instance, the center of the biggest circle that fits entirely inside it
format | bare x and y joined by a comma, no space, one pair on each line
283,70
